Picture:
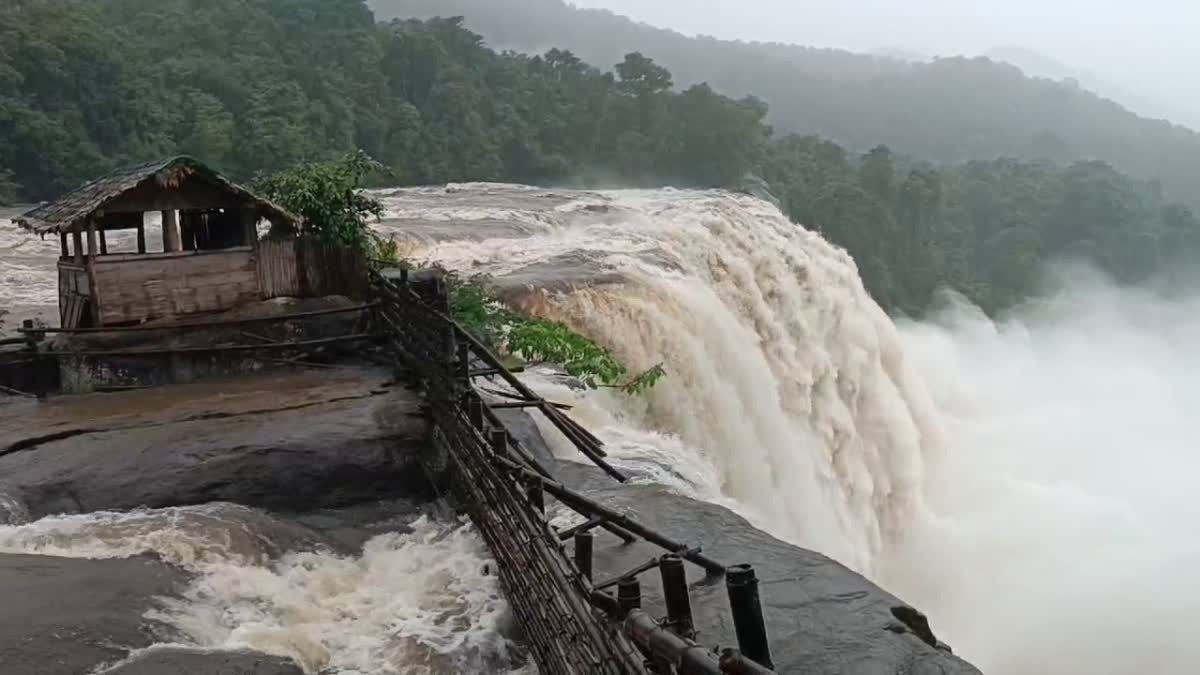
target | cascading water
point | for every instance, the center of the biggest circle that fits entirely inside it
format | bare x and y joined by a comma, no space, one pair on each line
787,391
421,600
1025,483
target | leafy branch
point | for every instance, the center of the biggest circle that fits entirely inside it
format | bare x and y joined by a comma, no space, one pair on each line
328,198
538,339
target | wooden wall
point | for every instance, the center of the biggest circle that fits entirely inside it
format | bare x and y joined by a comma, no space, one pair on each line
73,294
309,268
134,288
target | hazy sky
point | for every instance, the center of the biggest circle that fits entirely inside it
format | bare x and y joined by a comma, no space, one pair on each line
1149,48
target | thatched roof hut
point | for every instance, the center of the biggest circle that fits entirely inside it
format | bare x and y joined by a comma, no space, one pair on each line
176,182
210,256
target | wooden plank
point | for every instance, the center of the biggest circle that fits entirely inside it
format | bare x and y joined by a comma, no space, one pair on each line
204,324
93,287
170,227
277,269
139,288
357,337
164,255
74,312
63,280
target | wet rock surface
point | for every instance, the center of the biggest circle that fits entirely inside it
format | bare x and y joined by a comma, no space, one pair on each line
333,453
163,661
66,616
282,441
525,431
822,618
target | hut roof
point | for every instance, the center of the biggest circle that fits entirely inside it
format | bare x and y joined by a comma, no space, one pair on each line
73,209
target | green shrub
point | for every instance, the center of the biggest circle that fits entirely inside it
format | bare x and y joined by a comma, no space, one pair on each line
537,339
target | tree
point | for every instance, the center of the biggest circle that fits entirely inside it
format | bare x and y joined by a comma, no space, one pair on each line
642,77
328,198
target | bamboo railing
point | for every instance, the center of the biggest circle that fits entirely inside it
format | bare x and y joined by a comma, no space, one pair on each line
570,624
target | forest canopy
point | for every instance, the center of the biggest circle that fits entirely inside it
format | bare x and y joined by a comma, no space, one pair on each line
949,110
255,86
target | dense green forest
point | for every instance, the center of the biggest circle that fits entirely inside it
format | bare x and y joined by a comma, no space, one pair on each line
256,85
950,110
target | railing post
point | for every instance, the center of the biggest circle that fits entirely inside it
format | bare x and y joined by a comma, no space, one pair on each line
537,497
464,361
583,552
475,411
748,621
41,383
629,595
679,605
499,442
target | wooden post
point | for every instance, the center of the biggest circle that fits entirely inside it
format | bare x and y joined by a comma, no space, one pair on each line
142,236
103,243
629,596
748,621
499,441
675,590
92,250
475,411
77,244
250,227
584,541
188,226
66,252
170,227
464,362
537,498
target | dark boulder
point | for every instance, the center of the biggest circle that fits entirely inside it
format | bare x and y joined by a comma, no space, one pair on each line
65,616
282,441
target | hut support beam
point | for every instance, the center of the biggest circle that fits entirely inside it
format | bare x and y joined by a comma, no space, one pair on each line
172,242
77,244
250,227
92,251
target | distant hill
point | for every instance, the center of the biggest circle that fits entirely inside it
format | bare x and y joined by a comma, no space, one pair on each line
948,109
1036,64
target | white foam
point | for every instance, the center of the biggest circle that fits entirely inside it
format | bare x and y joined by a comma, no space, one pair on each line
424,601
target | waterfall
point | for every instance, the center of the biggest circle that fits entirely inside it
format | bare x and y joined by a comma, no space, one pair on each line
1028,482
787,390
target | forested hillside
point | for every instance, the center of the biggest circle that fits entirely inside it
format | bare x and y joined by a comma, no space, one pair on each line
950,110
252,85
255,85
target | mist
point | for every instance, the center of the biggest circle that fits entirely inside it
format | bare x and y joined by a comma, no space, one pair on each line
1061,509
1139,54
